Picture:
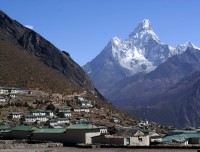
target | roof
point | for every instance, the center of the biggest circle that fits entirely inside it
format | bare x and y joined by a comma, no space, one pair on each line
50,130
58,119
62,119
181,136
85,126
53,120
33,116
176,131
15,113
24,128
41,111
5,127
109,136
65,109
131,132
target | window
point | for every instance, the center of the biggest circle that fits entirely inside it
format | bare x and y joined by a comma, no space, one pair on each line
140,139
128,141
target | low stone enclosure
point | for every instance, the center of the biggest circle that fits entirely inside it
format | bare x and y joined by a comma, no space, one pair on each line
18,144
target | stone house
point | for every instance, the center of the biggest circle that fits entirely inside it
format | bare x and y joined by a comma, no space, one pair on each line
137,136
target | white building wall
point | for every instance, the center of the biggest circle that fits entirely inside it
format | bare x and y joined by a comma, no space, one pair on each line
2,100
88,137
16,116
140,141
67,114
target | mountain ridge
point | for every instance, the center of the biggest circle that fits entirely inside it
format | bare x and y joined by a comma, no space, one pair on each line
36,45
141,52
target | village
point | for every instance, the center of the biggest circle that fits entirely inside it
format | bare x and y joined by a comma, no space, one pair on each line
72,123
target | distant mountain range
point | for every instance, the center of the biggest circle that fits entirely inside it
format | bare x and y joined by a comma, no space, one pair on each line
145,77
141,52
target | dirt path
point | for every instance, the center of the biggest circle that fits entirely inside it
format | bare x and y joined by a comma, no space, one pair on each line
72,149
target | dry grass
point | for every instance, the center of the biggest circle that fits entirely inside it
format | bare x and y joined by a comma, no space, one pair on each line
19,69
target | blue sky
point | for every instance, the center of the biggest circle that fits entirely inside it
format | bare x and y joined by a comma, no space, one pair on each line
84,27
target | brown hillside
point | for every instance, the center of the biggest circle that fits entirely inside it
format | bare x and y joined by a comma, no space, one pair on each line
19,69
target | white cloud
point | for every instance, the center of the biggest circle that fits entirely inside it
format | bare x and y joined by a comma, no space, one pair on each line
29,26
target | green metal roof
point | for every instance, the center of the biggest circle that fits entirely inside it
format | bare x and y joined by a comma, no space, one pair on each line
5,127
180,137
41,111
33,116
176,130
84,126
50,130
24,128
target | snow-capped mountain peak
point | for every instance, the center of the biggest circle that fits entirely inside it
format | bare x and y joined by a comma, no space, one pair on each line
143,33
145,24
115,40
141,52
189,44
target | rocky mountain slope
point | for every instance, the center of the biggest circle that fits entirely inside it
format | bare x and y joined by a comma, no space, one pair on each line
141,52
28,61
176,106
157,81
145,77
171,87
35,45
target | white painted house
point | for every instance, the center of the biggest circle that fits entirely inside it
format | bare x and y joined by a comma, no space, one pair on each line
32,118
137,137
15,115
115,120
42,113
65,112
81,109
12,95
79,98
86,104
63,120
2,99
58,121
4,90
12,91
